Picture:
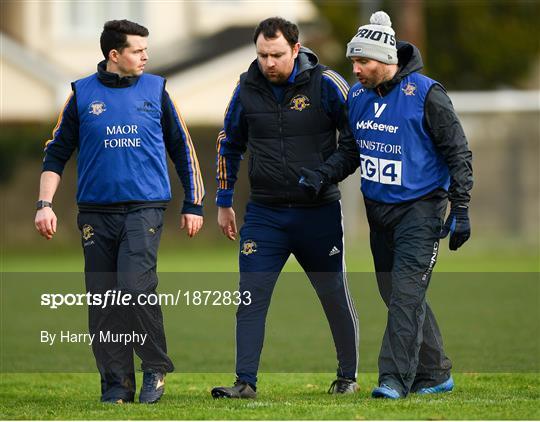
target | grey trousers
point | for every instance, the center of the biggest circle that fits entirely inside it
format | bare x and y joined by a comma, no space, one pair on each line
404,241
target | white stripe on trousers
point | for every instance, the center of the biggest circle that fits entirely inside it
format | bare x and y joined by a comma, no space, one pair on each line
350,301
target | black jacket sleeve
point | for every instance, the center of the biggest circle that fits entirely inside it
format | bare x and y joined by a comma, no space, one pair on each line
449,138
345,160
65,138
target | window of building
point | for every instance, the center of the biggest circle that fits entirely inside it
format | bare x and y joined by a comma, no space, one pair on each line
84,19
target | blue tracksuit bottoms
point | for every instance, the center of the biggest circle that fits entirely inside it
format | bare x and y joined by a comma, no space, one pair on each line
314,235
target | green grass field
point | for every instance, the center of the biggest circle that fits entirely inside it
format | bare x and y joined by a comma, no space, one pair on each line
281,397
494,255
487,304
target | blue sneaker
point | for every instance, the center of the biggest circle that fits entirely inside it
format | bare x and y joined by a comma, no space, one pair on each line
385,392
153,387
445,387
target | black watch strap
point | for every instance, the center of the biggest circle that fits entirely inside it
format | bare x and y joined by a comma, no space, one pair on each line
42,204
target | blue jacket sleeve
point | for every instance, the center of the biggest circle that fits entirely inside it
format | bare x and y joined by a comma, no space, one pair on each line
182,153
345,160
231,145
65,138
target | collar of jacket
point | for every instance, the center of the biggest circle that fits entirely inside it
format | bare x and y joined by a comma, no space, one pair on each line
409,61
306,61
114,80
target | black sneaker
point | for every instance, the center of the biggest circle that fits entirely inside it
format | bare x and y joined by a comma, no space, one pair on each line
153,387
240,390
343,386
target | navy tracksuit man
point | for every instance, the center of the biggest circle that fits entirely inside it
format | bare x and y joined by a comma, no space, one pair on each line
286,127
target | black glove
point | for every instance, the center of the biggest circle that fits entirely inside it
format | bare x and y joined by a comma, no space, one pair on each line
458,225
312,181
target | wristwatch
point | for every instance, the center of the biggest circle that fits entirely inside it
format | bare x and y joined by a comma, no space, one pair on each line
42,204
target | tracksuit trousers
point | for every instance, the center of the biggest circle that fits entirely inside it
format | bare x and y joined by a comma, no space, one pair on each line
120,252
405,242
315,236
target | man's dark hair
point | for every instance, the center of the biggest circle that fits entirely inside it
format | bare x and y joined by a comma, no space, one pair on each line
114,35
271,26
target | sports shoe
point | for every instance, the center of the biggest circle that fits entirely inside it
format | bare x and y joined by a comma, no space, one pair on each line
385,392
240,390
153,387
444,387
343,386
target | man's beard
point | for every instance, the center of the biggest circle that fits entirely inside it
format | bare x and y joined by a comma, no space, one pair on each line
276,78
376,80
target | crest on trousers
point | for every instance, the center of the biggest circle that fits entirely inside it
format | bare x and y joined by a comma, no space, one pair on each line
299,103
249,247
409,89
87,231
97,107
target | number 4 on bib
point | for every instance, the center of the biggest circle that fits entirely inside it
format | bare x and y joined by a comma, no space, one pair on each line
390,172
387,172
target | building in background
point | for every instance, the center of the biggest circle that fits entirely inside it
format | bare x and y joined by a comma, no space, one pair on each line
201,47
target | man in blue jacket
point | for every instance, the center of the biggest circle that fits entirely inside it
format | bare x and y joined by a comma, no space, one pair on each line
123,123
286,109
413,157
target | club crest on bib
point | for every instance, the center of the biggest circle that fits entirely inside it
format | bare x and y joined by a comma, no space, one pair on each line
146,107
87,231
97,107
299,103
249,247
409,89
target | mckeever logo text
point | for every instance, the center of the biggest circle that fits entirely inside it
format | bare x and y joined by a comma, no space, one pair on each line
370,125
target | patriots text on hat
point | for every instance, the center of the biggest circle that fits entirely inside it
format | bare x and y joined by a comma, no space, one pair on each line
376,40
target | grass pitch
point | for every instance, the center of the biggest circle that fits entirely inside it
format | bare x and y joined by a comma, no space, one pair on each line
280,397
490,325
222,256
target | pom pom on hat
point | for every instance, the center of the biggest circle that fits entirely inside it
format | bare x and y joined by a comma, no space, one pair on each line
376,40
380,18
